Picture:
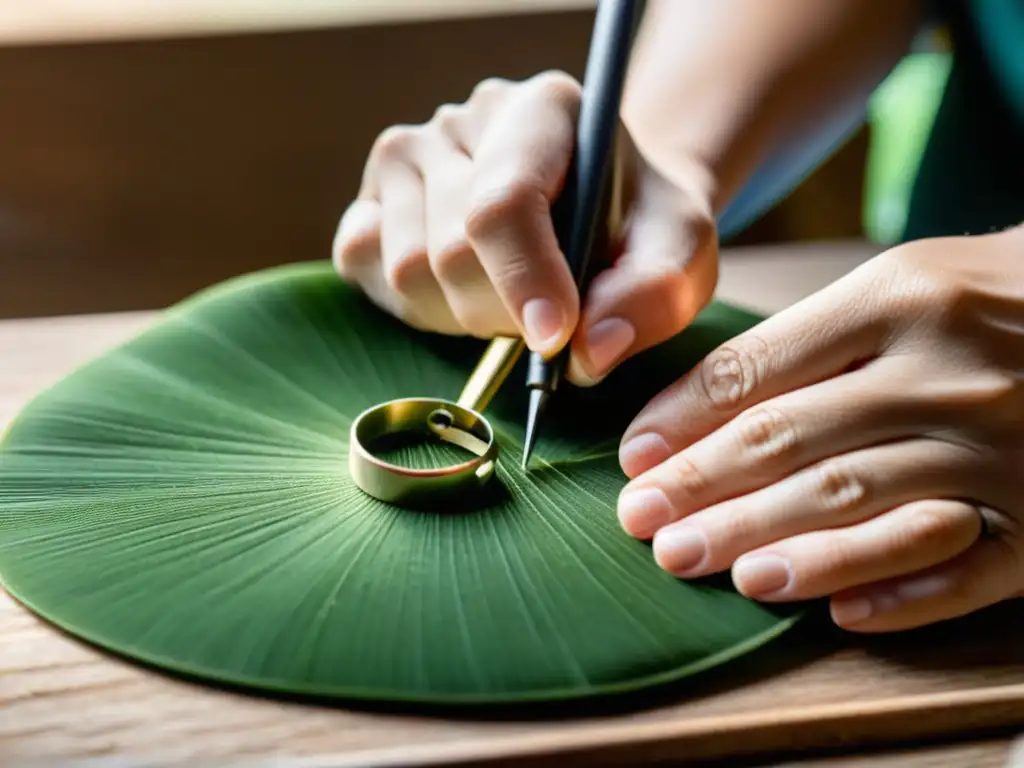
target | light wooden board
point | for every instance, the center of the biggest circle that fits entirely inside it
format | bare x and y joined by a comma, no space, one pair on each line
814,688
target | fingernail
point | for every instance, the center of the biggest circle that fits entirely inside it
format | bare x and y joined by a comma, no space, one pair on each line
642,453
845,612
761,575
643,512
679,550
607,340
543,321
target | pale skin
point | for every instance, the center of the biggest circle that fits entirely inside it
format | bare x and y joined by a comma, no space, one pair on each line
852,447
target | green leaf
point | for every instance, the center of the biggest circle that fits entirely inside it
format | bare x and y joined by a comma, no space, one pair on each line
184,500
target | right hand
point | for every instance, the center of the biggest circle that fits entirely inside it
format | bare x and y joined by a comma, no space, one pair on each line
451,232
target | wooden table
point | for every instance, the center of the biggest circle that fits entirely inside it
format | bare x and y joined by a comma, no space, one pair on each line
61,700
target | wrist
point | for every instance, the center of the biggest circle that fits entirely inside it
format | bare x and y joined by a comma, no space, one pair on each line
684,167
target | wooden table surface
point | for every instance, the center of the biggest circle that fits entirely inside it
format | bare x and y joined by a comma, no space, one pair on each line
62,700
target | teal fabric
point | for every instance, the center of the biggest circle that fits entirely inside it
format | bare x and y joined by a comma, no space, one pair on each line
1000,27
971,178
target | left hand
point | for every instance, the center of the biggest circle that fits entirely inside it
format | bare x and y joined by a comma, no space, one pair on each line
866,444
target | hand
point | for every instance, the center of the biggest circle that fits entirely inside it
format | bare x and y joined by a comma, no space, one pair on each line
854,446
451,232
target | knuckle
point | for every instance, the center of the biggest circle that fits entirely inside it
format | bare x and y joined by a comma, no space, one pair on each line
448,117
558,86
837,489
912,282
739,527
995,388
837,554
930,527
932,301
511,272
496,209
765,433
395,143
455,262
993,397
684,479
732,372
490,87
406,274
988,398
352,254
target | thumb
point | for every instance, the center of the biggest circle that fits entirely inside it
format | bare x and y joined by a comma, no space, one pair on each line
665,276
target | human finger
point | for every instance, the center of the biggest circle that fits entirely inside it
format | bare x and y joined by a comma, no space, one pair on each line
358,248
774,439
465,124
519,170
467,290
404,257
818,338
837,493
907,539
355,251
356,255
985,574
665,276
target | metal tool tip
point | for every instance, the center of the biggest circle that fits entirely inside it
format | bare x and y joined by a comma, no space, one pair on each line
538,400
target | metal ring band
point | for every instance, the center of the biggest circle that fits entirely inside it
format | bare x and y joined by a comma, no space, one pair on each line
427,416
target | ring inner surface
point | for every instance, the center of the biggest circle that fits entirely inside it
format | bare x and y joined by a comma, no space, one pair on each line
448,421
425,417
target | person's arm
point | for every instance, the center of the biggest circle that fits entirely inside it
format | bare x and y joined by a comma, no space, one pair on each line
716,89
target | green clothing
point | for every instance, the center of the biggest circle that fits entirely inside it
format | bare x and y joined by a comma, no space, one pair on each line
971,178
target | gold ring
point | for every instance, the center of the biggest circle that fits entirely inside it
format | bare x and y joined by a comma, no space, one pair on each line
429,417
459,423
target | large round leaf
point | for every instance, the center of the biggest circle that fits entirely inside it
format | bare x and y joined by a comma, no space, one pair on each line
184,500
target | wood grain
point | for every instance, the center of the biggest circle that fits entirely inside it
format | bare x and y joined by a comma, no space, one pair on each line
61,699
817,688
989,753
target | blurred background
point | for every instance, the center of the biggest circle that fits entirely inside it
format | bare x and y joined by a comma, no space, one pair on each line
149,148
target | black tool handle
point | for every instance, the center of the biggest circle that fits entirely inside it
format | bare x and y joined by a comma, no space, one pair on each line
577,212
